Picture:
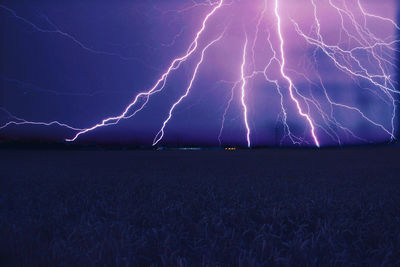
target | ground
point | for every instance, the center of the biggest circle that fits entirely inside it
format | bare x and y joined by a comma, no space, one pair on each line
200,208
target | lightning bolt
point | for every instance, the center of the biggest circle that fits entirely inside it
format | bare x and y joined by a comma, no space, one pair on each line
19,121
160,134
228,105
54,29
366,58
287,78
243,90
159,85
342,58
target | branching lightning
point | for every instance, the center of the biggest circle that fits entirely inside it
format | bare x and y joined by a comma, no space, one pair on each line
287,78
160,134
309,108
159,86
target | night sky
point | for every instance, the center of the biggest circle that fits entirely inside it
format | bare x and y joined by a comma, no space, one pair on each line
79,62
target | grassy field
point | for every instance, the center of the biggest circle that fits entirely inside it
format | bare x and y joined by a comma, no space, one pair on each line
200,208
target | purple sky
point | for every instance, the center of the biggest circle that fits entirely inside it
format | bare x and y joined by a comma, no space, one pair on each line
80,62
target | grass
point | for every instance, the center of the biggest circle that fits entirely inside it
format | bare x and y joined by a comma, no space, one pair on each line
202,208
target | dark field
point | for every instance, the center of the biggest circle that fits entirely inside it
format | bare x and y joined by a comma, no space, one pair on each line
200,208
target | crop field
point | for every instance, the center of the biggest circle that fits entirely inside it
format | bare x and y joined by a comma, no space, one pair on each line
266,207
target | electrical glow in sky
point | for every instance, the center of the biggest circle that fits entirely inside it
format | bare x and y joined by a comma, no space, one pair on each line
311,62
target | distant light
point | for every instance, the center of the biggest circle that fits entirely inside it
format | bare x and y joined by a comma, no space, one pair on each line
189,148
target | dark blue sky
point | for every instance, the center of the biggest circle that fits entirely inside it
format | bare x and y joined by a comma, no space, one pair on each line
78,62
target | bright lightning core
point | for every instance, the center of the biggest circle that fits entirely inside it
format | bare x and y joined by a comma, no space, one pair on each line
272,72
